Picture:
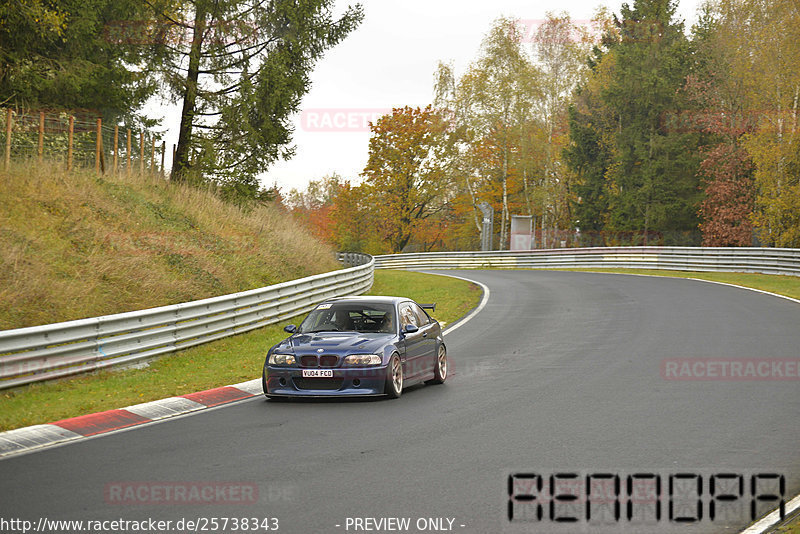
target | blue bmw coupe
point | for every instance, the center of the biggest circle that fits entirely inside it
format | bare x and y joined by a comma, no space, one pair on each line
357,346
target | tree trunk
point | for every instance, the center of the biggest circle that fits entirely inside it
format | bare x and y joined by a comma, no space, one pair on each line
181,163
544,230
474,205
503,224
526,192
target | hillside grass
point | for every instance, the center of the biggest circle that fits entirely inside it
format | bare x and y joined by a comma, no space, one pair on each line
790,527
81,245
227,361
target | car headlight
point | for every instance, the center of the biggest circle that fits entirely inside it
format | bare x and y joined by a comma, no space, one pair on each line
281,359
362,359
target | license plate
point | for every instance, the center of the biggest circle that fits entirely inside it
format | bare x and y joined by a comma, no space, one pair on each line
317,373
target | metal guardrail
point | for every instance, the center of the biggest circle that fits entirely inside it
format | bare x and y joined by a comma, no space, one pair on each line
62,349
753,260
353,259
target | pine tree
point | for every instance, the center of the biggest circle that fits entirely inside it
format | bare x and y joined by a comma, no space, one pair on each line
240,68
655,182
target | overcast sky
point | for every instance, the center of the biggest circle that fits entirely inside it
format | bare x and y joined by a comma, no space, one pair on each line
389,61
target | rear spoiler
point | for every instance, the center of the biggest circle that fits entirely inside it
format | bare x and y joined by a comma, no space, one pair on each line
431,307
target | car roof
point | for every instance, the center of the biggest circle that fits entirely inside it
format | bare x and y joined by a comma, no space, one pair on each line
369,300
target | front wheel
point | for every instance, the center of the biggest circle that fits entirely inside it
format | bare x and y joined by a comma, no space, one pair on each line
440,369
394,378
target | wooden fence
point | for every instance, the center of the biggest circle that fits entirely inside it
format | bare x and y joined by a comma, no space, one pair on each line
81,139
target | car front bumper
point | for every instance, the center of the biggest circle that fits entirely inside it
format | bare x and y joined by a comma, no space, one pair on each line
355,381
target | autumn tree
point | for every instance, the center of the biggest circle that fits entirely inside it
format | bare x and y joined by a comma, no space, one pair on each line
720,111
746,88
767,38
355,221
502,88
314,205
404,176
728,204
449,100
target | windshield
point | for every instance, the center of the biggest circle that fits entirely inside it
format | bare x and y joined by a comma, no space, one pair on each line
350,317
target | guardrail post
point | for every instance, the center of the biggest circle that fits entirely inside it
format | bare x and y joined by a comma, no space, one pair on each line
152,154
98,146
41,136
141,153
9,123
69,142
116,148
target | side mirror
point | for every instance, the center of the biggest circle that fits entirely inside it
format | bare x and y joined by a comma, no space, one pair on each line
290,328
410,328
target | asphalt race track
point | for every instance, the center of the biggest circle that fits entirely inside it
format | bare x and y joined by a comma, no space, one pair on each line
560,372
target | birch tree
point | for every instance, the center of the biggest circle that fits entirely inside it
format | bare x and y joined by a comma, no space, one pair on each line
560,49
492,104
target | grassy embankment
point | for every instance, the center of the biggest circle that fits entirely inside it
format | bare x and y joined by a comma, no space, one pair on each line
80,246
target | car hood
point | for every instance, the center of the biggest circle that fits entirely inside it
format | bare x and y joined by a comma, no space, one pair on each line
337,343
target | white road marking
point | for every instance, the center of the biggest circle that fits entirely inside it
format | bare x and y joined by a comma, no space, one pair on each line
33,437
476,311
253,387
773,517
741,287
162,408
